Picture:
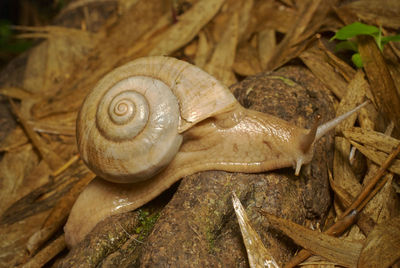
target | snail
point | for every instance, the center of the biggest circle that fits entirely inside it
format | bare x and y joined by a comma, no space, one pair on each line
157,119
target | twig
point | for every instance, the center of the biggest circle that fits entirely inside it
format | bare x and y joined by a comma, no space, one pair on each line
372,183
58,215
48,155
66,165
46,254
361,200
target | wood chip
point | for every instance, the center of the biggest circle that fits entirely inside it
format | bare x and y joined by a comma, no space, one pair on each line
58,214
220,65
373,12
47,253
15,166
15,139
225,37
51,158
364,222
383,88
203,50
280,17
16,93
382,247
187,27
317,61
377,157
266,46
343,174
355,94
334,249
374,139
282,51
244,19
246,60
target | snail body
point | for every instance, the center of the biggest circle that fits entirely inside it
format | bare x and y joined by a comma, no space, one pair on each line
204,128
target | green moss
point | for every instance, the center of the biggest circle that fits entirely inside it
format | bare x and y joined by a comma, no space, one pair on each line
211,240
146,223
285,80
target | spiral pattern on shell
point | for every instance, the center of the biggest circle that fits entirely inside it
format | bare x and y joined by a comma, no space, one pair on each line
122,112
135,131
129,126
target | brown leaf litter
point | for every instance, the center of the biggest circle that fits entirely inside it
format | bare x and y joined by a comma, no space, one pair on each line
41,176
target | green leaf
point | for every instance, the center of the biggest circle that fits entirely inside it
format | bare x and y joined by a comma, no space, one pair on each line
346,45
392,38
378,39
356,58
355,29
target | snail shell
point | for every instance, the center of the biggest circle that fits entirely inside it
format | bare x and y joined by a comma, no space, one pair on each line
129,127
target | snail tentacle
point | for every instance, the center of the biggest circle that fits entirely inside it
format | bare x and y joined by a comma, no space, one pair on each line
154,120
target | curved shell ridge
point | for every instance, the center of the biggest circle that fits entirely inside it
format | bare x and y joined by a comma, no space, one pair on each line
116,159
199,94
203,95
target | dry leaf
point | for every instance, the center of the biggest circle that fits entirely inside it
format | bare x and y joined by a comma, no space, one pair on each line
364,222
317,262
258,255
345,70
48,253
85,3
14,167
383,88
15,139
53,60
124,35
51,158
244,18
60,124
373,12
16,93
284,51
342,171
191,49
383,204
220,65
13,237
266,46
334,249
382,247
377,157
187,27
203,50
280,17
59,213
355,94
246,60
374,139
317,61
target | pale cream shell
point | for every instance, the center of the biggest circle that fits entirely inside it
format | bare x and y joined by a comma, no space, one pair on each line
199,94
129,127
